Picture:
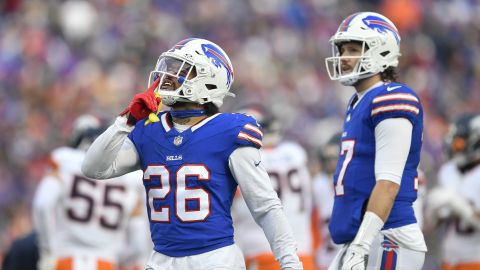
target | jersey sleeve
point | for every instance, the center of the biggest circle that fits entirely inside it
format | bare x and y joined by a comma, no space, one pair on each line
400,102
135,133
249,132
140,127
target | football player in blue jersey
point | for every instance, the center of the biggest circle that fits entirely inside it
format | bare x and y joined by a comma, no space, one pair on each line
376,176
193,158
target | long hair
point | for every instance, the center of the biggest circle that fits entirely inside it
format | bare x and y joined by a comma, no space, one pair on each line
211,109
389,75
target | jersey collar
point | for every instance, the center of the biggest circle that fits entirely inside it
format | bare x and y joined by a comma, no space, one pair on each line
168,125
363,93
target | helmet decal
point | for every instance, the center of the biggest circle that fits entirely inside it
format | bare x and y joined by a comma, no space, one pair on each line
180,44
344,26
219,59
381,25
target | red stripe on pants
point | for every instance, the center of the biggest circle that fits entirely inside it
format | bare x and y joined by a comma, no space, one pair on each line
389,260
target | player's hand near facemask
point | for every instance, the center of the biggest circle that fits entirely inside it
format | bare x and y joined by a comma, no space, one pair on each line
143,105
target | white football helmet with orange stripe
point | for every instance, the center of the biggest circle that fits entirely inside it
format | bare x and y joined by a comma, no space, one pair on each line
86,129
380,46
201,69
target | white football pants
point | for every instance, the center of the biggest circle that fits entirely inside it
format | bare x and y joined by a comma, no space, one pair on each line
385,255
226,258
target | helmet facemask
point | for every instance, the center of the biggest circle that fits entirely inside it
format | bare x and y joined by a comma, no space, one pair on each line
362,69
176,79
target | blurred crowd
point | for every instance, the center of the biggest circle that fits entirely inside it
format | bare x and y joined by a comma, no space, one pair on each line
59,59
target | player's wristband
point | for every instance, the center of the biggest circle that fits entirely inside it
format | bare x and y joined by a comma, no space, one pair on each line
370,227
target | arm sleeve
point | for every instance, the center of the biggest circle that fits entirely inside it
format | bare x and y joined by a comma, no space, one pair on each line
393,137
112,153
45,201
264,205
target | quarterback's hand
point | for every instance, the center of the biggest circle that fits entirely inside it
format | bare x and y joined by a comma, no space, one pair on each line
142,104
356,258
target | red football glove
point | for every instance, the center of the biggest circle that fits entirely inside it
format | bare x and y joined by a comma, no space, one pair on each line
142,105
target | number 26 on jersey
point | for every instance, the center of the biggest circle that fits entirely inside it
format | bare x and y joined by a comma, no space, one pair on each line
182,193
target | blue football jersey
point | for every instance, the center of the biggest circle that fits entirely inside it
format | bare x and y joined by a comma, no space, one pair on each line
354,178
188,182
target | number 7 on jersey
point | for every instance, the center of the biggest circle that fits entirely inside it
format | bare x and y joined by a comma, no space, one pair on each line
347,150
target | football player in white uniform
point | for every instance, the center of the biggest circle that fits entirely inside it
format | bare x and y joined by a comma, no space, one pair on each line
323,194
456,199
286,164
80,222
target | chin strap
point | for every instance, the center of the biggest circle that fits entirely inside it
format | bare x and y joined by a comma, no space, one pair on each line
187,113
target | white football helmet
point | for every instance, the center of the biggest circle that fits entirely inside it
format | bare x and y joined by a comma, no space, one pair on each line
194,70
380,46
85,130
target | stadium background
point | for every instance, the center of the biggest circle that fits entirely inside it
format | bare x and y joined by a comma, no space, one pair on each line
59,59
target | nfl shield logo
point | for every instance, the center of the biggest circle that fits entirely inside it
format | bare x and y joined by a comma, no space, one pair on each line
178,140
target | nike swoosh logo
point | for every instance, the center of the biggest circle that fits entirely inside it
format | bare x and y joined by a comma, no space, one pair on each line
256,164
390,88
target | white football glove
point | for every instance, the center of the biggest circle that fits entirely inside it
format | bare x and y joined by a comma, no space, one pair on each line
46,262
291,262
356,258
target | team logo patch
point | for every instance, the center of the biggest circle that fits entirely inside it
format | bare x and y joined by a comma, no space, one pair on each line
389,256
381,26
178,140
389,245
219,60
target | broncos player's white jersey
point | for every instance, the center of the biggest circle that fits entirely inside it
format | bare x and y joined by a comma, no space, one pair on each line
90,217
324,193
419,203
286,165
461,242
